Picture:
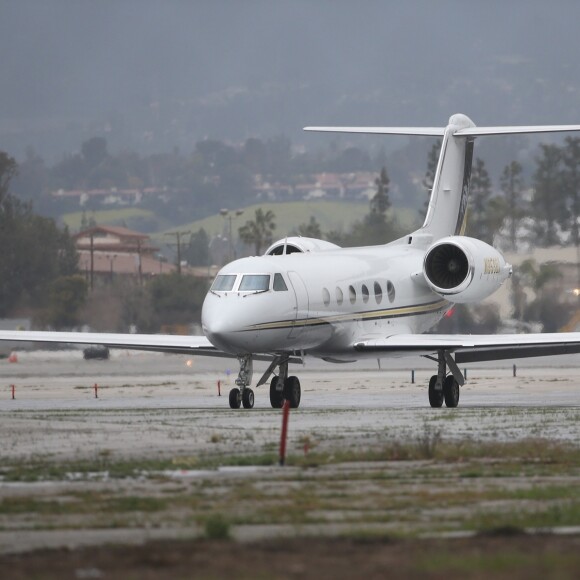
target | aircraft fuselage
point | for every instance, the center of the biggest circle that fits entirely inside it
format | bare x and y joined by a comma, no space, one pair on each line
329,300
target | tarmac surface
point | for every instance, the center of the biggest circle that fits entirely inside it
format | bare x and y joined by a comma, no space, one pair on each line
169,403
160,407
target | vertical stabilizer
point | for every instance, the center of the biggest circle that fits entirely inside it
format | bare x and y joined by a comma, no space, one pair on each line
447,212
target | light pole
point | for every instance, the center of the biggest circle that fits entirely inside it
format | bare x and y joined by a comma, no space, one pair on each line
231,217
111,262
177,236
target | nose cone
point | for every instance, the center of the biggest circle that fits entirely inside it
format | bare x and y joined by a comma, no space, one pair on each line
218,320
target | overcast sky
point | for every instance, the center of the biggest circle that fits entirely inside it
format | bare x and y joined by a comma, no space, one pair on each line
153,73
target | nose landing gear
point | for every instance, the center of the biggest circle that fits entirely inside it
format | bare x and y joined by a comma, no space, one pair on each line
243,395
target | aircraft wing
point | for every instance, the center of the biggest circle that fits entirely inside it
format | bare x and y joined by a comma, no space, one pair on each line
152,342
474,347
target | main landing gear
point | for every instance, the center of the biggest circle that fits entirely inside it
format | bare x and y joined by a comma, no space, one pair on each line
282,387
443,387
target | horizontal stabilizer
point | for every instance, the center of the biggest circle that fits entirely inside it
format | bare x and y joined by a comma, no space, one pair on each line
440,131
425,131
480,131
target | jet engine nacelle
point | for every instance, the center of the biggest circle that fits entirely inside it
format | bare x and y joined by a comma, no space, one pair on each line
463,269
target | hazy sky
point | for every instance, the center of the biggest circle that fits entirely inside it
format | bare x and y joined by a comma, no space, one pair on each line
153,73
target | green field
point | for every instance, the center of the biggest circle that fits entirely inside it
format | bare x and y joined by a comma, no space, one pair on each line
331,215
108,217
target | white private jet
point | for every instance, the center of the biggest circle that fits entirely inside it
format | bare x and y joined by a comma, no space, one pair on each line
308,297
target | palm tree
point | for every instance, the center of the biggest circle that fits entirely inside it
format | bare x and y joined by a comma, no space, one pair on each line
258,231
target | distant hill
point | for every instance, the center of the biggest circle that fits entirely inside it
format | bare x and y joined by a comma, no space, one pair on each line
332,215
130,217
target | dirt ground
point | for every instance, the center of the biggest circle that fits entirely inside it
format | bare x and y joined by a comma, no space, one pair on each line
503,556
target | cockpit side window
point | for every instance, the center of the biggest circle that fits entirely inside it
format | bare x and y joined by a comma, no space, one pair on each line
279,284
255,283
224,283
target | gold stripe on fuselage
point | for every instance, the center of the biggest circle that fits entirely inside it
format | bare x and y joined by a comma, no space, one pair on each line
352,316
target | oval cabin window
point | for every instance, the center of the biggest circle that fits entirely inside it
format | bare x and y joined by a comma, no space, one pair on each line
390,291
378,293
352,294
365,293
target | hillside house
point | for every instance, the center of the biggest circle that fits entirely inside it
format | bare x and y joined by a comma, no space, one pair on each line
106,252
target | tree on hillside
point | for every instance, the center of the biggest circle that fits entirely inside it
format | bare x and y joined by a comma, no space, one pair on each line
432,160
34,251
176,299
259,231
548,206
255,155
479,214
279,156
310,229
512,186
547,306
67,295
94,151
197,252
8,170
32,178
377,227
571,189
380,203
212,156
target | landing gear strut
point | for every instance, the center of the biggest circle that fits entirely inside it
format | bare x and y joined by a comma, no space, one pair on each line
443,387
243,395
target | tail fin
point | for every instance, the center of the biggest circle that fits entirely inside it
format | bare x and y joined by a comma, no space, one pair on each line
447,211
446,215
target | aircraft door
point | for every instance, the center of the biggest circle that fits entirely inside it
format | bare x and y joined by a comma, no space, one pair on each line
302,304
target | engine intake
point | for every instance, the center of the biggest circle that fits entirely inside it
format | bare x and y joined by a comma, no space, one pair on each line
463,269
446,266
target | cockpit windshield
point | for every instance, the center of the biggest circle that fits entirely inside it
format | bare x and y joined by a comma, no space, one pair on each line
224,283
255,283
279,284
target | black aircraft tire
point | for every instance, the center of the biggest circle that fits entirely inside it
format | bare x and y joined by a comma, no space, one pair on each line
292,392
435,397
235,398
276,396
451,391
248,398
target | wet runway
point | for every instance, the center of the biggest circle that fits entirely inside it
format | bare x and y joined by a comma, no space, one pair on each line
165,404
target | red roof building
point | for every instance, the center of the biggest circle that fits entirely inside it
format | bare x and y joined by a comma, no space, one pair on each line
107,251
